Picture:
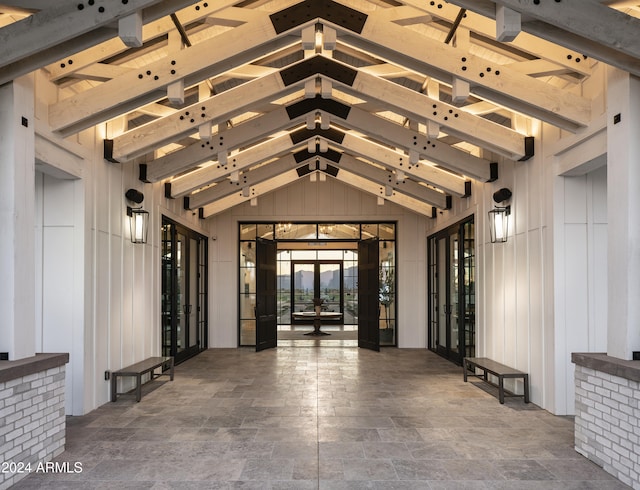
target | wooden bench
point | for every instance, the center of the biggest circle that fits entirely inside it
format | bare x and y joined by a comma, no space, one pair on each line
139,369
500,371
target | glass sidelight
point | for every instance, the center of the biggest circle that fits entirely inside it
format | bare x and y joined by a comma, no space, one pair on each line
184,291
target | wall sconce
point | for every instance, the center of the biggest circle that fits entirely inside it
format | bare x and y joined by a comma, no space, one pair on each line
499,217
138,217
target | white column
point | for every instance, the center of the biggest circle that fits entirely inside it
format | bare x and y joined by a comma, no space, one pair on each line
623,189
17,221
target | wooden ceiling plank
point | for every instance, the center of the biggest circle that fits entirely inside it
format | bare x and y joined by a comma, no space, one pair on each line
101,72
538,68
387,70
251,71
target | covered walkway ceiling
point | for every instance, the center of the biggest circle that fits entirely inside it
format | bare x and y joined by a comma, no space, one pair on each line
226,101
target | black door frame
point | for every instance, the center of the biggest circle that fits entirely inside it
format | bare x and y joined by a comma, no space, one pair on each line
269,229
368,294
170,306
433,292
316,286
266,294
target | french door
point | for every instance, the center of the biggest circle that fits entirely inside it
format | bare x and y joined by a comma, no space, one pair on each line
452,292
368,294
317,279
184,291
266,294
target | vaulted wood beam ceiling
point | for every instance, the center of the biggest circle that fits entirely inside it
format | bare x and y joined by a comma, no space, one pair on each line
339,161
390,92
407,102
398,171
256,129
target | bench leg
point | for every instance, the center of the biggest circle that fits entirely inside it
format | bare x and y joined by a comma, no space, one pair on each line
464,369
501,389
138,387
171,369
526,388
114,387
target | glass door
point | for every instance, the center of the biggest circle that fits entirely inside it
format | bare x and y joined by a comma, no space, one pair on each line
329,283
453,295
304,276
317,279
184,291
368,294
266,295
452,292
182,294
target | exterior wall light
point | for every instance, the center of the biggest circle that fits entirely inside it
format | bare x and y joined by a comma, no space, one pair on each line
138,217
499,217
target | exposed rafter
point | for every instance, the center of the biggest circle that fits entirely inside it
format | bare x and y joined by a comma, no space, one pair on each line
569,61
389,132
290,176
66,27
493,81
213,57
582,25
150,32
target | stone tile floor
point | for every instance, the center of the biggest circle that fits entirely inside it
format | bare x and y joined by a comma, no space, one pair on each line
321,418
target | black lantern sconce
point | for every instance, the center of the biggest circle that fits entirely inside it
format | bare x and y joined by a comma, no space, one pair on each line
138,217
499,217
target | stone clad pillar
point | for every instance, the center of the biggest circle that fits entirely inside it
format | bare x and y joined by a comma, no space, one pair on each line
17,218
623,201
